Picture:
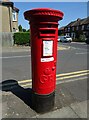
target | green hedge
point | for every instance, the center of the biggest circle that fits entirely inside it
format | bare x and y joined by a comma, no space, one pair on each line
22,38
82,38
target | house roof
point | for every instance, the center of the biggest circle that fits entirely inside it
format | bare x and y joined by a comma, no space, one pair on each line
16,9
70,24
62,28
8,3
78,22
85,21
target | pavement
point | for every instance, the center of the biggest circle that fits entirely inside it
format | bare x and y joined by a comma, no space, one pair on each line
16,103
15,49
27,48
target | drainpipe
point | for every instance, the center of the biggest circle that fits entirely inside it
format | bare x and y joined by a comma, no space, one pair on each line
10,19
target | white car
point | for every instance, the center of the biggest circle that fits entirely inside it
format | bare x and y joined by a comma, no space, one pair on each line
64,39
58,39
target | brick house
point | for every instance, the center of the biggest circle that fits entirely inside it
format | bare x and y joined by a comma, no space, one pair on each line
75,28
9,16
9,22
61,30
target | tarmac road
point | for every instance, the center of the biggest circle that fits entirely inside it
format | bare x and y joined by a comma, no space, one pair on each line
17,65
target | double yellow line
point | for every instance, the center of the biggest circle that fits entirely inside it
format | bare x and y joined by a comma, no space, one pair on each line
60,77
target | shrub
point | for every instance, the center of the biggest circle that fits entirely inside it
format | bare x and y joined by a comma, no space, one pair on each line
22,38
81,38
75,40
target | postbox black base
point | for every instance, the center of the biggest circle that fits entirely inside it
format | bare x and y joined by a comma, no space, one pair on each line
43,103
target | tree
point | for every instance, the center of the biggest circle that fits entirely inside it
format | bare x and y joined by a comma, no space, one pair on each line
24,30
20,28
28,30
78,33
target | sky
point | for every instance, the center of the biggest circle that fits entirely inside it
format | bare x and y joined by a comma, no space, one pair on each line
72,11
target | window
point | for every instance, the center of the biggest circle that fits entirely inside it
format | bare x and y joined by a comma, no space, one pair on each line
14,18
82,27
14,30
73,28
65,29
73,35
77,28
68,29
67,34
88,27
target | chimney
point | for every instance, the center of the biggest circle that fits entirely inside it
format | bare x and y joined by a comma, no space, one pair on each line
78,19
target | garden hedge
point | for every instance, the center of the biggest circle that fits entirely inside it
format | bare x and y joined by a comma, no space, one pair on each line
82,38
22,38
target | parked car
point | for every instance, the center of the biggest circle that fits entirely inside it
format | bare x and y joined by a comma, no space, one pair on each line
58,39
64,39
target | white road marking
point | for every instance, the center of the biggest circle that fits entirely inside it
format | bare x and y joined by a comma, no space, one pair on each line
72,80
81,53
82,43
8,57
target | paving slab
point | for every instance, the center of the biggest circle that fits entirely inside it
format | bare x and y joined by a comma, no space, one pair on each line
80,109
13,107
16,49
16,104
65,112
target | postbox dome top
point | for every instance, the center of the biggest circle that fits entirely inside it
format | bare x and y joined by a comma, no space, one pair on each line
43,12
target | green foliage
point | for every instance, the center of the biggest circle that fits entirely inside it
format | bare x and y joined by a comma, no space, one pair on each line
81,38
76,40
78,33
62,35
22,38
24,30
28,30
20,28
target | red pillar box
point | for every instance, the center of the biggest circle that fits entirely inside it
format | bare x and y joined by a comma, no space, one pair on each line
44,34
